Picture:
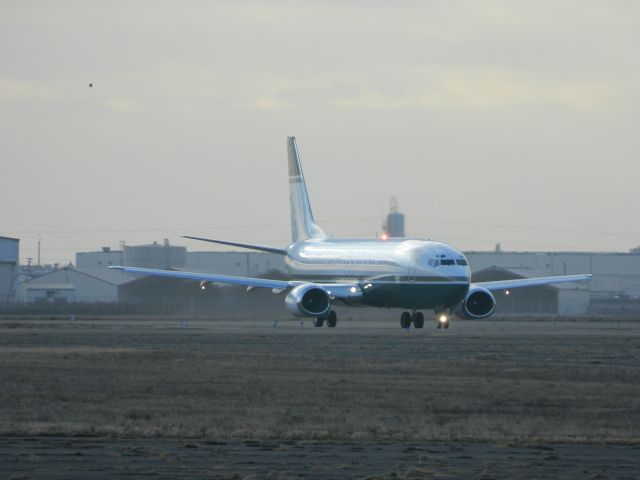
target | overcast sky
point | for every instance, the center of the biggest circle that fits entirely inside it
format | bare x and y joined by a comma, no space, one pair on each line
496,121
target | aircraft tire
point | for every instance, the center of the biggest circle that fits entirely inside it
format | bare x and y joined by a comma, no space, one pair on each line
332,319
445,325
318,321
405,320
418,320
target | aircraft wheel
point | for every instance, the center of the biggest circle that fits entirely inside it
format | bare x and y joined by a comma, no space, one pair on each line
438,325
332,319
418,320
405,320
318,321
445,325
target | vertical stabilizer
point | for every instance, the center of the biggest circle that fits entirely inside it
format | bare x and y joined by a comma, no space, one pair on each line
303,226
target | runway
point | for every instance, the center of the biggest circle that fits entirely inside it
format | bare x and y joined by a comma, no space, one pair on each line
69,458
213,398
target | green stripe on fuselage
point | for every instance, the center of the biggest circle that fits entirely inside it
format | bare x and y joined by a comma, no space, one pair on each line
380,278
414,295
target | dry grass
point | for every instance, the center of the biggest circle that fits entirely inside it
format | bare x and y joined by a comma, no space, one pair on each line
144,379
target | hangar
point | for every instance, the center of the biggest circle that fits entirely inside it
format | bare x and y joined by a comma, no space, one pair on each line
565,299
75,285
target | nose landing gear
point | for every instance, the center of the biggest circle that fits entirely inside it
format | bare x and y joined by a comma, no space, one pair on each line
442,321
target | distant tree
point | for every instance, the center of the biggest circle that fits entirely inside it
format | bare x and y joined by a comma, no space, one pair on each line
635,250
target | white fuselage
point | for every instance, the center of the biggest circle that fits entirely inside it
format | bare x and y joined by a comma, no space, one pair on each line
398,272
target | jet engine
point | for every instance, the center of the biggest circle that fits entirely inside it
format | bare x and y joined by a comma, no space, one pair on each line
480,303
308,300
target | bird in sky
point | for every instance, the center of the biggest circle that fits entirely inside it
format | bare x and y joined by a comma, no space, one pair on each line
91,85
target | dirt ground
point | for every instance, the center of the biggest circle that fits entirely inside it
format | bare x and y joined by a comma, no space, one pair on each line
210,398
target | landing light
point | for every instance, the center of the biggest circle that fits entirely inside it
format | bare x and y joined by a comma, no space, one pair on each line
354,289
507,292
384,236
442,319
203,285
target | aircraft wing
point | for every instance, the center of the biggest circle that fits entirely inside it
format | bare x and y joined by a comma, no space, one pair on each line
531,282
208,277
336,290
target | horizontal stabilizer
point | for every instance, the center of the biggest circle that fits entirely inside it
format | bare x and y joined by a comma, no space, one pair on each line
532,282
250,246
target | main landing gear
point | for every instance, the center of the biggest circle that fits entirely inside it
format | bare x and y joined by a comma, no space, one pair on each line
331,318
406,319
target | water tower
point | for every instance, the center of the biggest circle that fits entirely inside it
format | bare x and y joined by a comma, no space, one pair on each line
393,226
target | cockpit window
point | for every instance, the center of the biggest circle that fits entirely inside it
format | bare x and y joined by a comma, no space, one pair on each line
447,261
462,261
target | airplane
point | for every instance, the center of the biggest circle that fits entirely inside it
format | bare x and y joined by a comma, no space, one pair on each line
413,274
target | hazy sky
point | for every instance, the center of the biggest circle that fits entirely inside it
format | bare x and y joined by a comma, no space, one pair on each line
491,121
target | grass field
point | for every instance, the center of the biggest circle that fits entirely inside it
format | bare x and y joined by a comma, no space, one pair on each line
503,381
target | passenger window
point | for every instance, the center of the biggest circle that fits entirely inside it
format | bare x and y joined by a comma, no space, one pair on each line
462,262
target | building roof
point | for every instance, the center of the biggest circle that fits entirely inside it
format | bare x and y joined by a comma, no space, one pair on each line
93,252
109,275
9,238
51,286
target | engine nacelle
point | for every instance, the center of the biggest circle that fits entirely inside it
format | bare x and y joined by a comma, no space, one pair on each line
308,300
480,303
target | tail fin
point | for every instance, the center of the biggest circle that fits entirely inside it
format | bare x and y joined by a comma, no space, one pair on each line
303,226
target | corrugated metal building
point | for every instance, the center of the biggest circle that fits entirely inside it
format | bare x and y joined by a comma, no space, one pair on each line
9,255
235,263
156,255
103,258
612,272
615,286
